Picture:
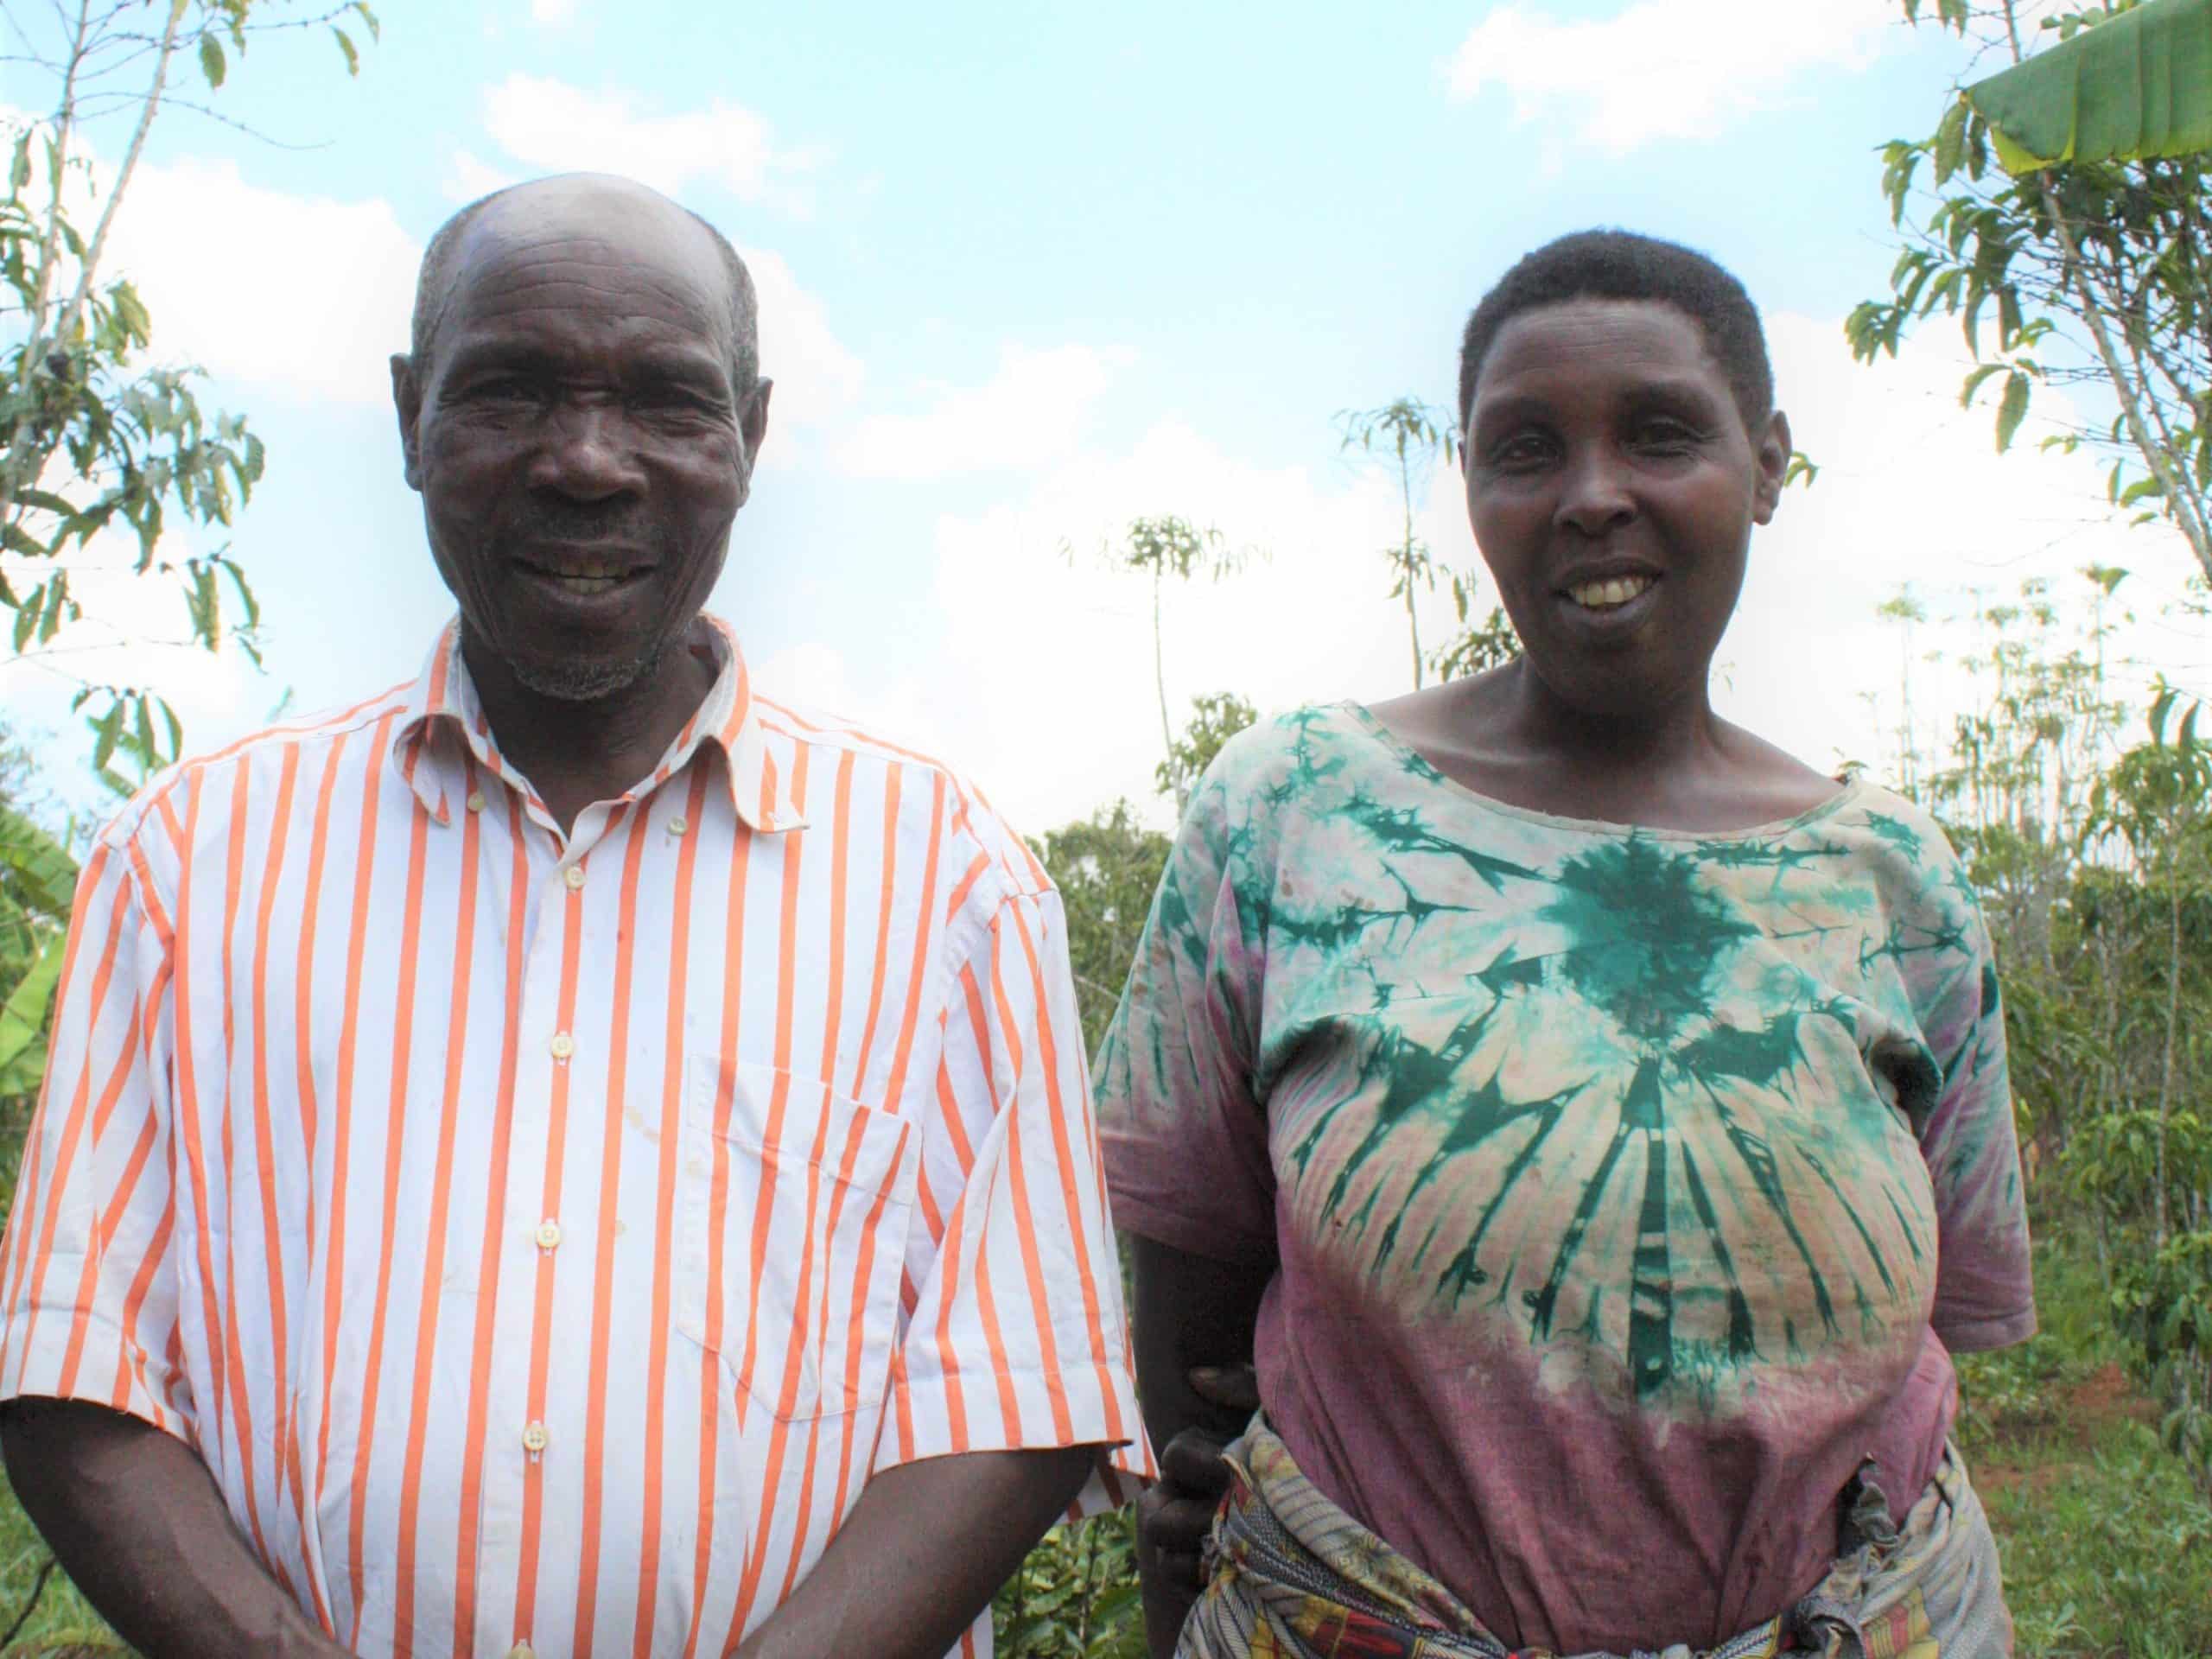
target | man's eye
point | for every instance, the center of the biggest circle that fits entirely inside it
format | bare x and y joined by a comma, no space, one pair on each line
506,390
1671,437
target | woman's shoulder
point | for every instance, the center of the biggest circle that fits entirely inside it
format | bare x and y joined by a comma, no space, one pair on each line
1308,753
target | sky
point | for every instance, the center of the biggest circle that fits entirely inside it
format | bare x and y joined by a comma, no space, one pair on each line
1027,273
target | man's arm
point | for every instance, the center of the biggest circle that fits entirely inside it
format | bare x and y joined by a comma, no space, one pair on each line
922,1554
135,1519
1193,1339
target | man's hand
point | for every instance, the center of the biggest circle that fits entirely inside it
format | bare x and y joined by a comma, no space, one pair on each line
921,1554
1175,1515
135,1520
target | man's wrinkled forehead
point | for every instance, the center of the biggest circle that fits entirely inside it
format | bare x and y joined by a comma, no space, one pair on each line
563,241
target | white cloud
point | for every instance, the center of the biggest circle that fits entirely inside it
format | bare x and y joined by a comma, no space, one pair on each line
1038,675
552,126
554,14
1661,68
468,175
306,294
816,376
1030,411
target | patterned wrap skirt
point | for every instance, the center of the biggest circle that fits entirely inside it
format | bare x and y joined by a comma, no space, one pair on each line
1292,1576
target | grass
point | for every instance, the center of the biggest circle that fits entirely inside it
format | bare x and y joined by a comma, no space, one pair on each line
2106,1548
63,1623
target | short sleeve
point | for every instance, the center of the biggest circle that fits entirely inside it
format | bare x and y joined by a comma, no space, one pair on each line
1015,1337
1185,1134
1984,1293
89,1310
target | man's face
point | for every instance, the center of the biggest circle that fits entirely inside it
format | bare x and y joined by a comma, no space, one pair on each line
576,436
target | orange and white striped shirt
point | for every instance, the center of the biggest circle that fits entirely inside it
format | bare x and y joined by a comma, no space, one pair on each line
542,1238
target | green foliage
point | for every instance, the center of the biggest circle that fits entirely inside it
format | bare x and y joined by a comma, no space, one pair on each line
1075,1597
102,455
2140,86
1478,643
1214,720
2092,854
37,881
2094,267
1106,867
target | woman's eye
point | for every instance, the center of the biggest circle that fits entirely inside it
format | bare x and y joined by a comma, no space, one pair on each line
1523,450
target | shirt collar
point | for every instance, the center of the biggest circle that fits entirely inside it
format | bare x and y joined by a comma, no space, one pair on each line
445,722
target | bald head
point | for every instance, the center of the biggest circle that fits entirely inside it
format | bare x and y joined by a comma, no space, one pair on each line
598,206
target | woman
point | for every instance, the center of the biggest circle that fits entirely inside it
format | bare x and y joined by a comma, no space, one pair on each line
1592,1120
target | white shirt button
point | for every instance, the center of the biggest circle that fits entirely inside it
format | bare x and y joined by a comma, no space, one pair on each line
476,800
574,876
677,826
563,1045
535,1439
549,1234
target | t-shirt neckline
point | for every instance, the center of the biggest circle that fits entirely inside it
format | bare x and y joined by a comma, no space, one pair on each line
1373,725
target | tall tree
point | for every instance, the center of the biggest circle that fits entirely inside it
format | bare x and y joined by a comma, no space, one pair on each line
1167,549
1413,434
2070,193
94,442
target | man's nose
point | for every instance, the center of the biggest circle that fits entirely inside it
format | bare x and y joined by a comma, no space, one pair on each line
1594,495
586,453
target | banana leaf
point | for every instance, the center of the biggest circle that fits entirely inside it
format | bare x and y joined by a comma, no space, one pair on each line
2135,88
22,1016
36,865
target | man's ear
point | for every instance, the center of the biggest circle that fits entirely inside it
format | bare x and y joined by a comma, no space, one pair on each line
407,404
1773,453
752,427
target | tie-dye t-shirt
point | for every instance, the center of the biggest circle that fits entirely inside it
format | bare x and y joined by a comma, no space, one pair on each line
1626,1187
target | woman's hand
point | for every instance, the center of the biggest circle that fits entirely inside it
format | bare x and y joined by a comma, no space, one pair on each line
1175,1515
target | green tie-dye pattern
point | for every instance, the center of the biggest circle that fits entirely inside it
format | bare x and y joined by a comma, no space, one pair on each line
1653,1098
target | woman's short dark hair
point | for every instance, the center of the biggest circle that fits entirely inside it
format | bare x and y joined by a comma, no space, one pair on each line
1622,266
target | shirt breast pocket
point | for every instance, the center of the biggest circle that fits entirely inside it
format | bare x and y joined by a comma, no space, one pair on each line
792,1212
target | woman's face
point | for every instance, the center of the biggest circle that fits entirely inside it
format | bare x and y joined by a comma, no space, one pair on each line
1612,488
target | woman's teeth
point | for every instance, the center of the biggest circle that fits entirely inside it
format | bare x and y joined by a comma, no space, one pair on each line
1608,594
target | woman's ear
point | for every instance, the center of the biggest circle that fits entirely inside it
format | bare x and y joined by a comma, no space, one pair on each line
1771,450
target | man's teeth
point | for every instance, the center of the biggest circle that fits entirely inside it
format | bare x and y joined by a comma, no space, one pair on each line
1606,595
587,584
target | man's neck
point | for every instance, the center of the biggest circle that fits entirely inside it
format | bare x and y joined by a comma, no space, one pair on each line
575,753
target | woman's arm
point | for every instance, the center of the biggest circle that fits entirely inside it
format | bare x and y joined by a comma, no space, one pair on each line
135,1519
1194,1315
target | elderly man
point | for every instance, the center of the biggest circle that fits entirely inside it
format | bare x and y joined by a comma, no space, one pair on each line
567,1155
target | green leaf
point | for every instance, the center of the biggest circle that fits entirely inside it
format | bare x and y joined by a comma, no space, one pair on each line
211,59
19,170
107,730
38,866
1973,383
24,1015
2137,87
346,46
2012,410
27,615
1951,140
